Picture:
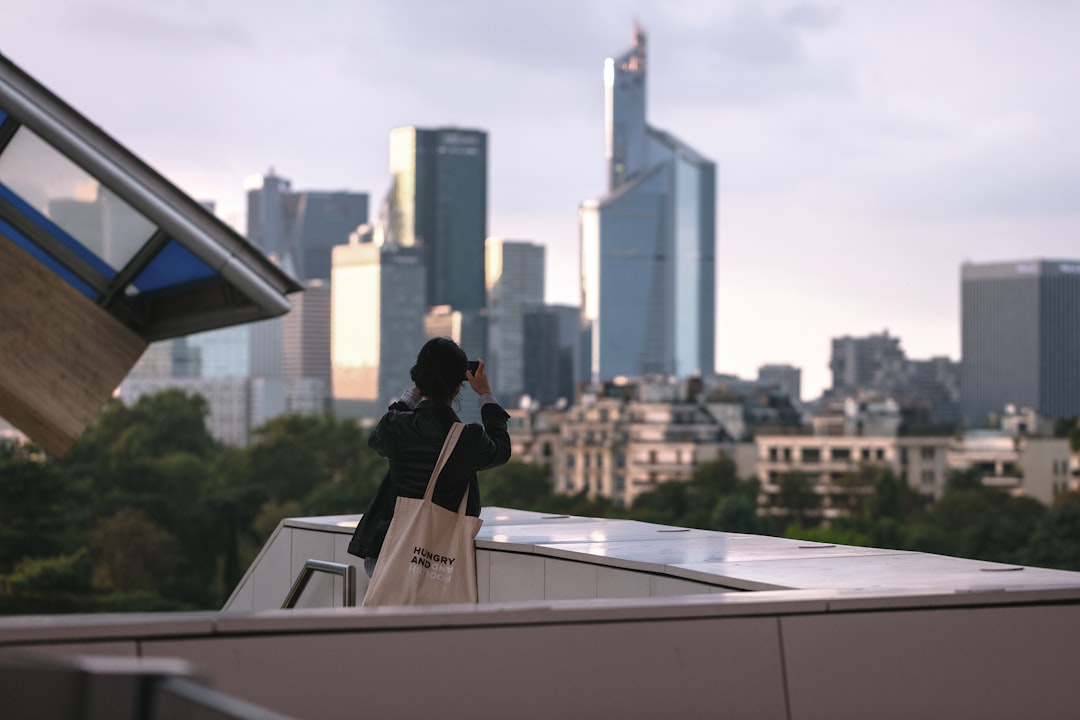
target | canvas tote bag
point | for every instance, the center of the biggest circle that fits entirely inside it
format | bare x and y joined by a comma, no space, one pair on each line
429,554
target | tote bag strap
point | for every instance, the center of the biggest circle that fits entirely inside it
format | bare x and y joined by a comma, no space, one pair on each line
444,455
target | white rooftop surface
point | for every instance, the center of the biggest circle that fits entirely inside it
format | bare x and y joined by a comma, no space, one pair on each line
739,561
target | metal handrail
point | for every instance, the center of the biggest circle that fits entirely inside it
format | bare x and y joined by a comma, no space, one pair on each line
347,573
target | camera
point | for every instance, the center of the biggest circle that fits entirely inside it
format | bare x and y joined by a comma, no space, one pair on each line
474,365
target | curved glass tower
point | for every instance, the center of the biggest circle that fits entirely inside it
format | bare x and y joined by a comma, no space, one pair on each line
648,247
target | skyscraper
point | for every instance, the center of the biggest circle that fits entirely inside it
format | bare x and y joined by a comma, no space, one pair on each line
438,202
300,229
305,335
1020,338
515,283
550,350
648,247
377,325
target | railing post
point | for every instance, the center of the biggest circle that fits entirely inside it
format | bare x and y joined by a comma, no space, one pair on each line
347,573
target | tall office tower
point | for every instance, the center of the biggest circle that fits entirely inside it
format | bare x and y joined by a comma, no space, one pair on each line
648,272
438,201
377,325
786,378
551,351
300,229
871,363
515,283
305,360
1020,338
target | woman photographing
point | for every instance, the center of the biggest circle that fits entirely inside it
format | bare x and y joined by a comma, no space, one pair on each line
413,432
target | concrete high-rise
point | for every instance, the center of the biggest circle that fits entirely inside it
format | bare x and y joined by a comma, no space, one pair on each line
305,335
1020,338
515,283
438,202
874,362
648,247
377,325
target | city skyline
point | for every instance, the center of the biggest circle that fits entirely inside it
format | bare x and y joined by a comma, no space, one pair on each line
864,150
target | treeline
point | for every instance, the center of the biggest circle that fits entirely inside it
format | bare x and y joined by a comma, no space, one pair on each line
148,512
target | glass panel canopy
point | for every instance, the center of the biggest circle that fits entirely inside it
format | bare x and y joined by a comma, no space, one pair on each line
118,232
73,199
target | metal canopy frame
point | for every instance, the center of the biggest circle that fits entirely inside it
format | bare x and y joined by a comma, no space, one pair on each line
198,274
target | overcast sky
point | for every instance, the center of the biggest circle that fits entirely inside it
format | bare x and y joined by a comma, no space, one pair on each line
865,148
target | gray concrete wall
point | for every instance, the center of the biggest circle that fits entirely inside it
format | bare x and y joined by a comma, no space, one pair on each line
780,654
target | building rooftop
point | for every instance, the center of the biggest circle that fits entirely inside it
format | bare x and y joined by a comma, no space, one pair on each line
587,617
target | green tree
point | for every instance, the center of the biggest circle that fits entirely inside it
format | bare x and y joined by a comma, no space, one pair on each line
1074,439
987,523
292,455
131,553
517,485
164,423
1055,542
230,502
48,585
738,514
668,503
797,497
33,507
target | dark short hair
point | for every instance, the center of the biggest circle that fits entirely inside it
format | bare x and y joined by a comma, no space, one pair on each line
440,369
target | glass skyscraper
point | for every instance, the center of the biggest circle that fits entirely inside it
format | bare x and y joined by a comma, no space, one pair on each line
648,247
438,202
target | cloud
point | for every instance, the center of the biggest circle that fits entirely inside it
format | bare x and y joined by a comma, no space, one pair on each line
157,28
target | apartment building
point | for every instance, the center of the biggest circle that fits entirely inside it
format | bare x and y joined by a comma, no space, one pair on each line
1036,467
534,435
624,439
829,464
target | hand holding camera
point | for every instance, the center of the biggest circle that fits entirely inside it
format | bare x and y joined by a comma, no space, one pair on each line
477,378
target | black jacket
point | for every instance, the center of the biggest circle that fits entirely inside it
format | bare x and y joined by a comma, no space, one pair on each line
411,439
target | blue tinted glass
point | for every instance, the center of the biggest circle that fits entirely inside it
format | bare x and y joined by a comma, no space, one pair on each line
173,265
3,115
53,229
47,260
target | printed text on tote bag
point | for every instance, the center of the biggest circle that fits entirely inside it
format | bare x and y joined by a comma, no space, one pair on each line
436,567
